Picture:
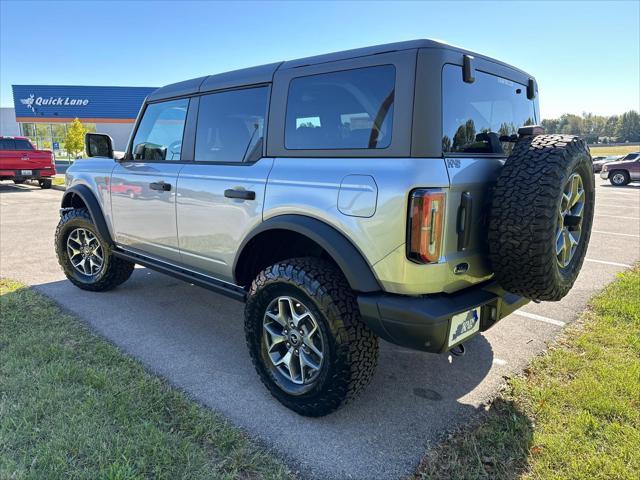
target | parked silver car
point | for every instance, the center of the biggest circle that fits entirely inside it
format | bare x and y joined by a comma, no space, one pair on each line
399,191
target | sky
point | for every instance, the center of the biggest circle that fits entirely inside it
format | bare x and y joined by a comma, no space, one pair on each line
585,55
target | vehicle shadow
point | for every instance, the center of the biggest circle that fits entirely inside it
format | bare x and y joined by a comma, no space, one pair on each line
195,339
10,187
630,186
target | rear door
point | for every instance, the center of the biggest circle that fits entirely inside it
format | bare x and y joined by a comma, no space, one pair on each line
221,192
143,187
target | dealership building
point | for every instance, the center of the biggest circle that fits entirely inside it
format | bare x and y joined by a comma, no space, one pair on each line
43,112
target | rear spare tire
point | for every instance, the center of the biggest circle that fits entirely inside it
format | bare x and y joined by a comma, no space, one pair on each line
541,216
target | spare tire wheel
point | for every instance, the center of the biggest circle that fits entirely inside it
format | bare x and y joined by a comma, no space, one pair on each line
541,216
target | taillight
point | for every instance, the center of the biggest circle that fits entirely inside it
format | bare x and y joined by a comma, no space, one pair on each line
426,223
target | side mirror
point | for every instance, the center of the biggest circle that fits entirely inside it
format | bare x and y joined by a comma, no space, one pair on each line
98,145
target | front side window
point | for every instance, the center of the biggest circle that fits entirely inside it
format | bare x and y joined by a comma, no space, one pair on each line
351,109
480,117
159,136
231,126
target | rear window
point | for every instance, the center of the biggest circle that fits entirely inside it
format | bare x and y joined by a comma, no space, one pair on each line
478,117
23,145
351,109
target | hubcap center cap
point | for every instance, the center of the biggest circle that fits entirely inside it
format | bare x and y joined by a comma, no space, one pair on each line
294,339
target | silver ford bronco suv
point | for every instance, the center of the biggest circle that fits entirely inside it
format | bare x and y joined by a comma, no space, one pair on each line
400,191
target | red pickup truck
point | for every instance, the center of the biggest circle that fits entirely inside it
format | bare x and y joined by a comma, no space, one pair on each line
20,161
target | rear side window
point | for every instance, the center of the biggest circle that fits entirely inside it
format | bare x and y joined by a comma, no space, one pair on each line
23,145
478,117
7,144
351,109
231,126
159,136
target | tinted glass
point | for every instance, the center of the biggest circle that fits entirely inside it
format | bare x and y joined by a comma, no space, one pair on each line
159,136
23,145
7,144
478,117
352,109
231,126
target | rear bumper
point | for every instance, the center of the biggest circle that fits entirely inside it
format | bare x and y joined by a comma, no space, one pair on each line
423,323
37,173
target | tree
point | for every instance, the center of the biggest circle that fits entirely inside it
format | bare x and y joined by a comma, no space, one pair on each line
628,127
74,139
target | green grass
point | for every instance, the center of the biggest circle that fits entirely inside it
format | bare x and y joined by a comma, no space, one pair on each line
72,406
605,151
575,414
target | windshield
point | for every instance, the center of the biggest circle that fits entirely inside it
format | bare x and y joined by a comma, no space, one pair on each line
480,117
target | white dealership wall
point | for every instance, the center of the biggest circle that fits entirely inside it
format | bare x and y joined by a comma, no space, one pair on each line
8,125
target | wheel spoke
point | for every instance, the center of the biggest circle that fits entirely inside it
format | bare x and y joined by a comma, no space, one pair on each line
560,241
275,337
308,361
309,343
277,318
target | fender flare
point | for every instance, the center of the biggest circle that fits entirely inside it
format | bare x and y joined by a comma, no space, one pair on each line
352,263
90,200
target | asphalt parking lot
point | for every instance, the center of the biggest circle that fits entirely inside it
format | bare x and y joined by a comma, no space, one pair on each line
194,339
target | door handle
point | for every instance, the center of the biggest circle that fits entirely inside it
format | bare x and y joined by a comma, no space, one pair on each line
162,186
241,194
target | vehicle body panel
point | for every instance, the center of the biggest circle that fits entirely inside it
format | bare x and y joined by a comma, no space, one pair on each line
147,222
212,226
94,173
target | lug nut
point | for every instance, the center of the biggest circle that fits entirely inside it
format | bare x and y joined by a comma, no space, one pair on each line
288,345
301,332
297,351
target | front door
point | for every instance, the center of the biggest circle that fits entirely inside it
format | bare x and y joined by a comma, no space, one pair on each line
143,188
221,194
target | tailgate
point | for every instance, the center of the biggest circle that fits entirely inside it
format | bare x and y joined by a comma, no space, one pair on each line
471,181
25,160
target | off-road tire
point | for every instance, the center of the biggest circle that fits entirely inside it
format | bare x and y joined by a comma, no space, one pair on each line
115,270
45,184
524,216
351,350
625,176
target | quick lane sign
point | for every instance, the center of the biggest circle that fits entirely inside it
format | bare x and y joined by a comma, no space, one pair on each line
60,102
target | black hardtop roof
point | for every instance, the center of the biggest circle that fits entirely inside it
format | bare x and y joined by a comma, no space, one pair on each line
264,73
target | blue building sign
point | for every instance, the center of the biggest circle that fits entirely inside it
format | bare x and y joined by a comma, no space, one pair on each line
41,103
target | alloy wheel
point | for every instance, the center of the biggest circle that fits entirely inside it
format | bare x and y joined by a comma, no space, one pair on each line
570,214
293,340
85,251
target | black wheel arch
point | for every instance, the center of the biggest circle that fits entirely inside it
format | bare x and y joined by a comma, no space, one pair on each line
344,254
81,196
